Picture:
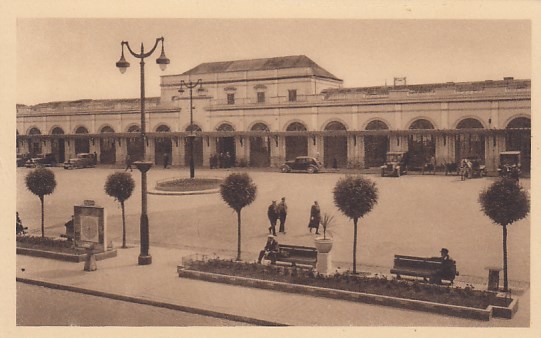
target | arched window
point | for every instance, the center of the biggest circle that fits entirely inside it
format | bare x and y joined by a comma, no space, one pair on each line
375,146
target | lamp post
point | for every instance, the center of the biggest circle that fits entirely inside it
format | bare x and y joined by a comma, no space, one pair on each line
191,85
143,165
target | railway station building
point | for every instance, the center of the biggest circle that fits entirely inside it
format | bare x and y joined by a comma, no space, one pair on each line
265,111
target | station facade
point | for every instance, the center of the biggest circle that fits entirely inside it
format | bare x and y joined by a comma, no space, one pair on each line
265,111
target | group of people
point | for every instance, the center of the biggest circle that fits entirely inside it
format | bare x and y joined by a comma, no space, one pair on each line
221,161
20,228
278,211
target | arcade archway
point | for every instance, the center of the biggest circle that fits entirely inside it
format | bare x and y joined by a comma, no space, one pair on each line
107,147
471,144
34,144
296,145
335,148
226,148
520,140
58,147
421,148
162,146
197,148
260,147
134,144
82,145
375,146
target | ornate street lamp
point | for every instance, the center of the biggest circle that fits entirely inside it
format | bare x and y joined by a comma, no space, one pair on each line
143,166
190,85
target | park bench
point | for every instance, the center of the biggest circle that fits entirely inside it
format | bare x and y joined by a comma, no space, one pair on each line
427,268
294,255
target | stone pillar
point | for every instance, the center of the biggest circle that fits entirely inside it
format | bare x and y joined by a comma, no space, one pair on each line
121,149
276,155
240,149
360,151
150,153
324,263
207,150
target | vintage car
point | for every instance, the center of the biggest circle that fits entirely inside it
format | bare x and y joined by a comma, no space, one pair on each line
41,160
474,167
21,159
509,166
83,160
395,164
302,163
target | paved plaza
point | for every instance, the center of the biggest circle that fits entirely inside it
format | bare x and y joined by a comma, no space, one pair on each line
415,215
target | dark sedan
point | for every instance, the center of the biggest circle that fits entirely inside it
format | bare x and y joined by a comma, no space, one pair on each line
302,163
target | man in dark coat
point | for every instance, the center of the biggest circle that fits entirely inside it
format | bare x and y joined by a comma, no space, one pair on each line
270,251
165,160
282,214
272,214
315,217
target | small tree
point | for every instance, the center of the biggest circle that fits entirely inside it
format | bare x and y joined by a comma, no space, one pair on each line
355,196
326,222
120,186
505,202
41,182
238,191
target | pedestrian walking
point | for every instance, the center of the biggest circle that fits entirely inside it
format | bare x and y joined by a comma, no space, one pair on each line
272,214
165,160
315,217
282,214
128,163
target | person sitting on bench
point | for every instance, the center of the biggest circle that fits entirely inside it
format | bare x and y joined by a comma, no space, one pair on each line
448,267
270,251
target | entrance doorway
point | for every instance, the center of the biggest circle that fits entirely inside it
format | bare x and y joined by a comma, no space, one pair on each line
197,148
226,148
469,145
58,148
135,145
82,145
520,140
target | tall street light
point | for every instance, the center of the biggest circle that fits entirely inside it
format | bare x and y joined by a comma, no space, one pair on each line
190,85
143,165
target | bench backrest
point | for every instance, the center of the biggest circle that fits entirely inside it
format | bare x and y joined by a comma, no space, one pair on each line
299,251
417,262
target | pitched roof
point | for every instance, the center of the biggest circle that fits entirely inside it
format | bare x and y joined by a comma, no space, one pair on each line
296,61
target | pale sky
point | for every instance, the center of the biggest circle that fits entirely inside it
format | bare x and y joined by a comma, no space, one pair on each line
70,59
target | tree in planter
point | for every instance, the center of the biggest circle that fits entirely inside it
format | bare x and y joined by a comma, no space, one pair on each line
41,182
505,202
238,191
326,222
355,196
120,186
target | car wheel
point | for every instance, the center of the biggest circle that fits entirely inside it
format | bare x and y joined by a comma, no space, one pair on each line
311,170
285,169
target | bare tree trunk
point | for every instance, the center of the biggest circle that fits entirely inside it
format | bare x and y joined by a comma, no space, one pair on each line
505,281
123,225
355,245
238,235
41,198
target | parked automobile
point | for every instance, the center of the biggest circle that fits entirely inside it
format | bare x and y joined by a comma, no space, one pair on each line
21,159
83,160
41,160
395,164
302,163
474,167
509,166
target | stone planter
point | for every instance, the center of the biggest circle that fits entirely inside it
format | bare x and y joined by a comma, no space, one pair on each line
323,245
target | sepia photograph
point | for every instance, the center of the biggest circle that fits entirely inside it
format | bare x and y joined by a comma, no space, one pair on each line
196,171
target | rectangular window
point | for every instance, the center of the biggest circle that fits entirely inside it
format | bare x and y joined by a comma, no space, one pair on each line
292,95
260,97
230,98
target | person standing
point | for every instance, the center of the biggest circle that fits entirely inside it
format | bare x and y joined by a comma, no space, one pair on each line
128,163
272,214
315,217
165,160
282,214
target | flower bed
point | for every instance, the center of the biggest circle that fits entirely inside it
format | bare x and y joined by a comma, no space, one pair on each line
188,184
49,244
57,248
466,297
